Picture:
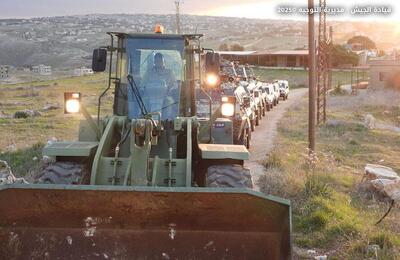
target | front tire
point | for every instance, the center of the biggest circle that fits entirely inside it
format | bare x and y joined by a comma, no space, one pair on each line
229,176
258,119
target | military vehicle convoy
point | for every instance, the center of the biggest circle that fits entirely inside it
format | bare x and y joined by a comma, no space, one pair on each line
283,88
148,181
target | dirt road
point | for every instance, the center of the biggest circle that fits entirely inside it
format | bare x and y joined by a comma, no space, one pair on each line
264,137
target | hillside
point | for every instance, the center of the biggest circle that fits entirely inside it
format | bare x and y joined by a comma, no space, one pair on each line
68,41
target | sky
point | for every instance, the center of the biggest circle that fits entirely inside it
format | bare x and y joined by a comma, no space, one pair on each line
267,9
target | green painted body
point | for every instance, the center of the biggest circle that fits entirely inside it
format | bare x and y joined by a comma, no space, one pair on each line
150,163
148,177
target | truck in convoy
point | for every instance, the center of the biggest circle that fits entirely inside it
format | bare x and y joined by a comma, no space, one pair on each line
283,88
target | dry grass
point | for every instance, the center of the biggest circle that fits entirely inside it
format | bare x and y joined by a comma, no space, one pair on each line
329,212
23,133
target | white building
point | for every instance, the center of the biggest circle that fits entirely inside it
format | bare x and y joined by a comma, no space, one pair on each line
4,72
83,71
42,70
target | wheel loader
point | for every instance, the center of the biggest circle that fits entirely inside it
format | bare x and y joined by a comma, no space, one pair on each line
138,184
231,121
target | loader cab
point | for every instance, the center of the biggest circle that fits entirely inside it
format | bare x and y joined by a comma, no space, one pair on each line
154,74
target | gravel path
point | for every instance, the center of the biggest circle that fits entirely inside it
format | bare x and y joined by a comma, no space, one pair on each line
263,138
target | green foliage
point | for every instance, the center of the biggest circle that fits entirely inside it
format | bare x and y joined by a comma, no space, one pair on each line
324,219
24,161
365,42
233,47
223,47
297,78
341,56
328,212
273,161
337,90
315,186
236,47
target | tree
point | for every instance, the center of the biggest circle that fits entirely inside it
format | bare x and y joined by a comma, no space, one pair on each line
365,42
237,47
223,47
341,56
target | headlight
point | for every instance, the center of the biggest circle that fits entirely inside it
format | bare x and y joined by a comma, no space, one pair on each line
72,106
212,80
72,103
227,109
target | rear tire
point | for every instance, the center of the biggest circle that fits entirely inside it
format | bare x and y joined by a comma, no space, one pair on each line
64,173
245,139
229,176
248,137
258,118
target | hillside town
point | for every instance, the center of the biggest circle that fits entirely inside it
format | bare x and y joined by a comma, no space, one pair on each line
62,45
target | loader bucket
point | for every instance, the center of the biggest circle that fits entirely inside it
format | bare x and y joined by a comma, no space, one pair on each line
108,222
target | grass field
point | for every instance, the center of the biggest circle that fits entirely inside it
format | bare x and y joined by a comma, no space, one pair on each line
23,133
298,78
331,213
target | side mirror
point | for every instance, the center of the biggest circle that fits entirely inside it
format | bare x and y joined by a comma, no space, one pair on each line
212,63
212,69
99,60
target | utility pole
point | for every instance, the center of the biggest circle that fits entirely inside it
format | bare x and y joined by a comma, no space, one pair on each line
322,64
330,49
311,79
178,18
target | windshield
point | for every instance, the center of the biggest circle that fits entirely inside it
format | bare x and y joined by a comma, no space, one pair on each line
155,73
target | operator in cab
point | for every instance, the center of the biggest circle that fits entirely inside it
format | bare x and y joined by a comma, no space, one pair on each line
160,84
160,73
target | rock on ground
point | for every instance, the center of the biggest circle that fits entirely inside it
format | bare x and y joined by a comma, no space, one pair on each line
370,121
6,175
49,107
4,115
374,171
383,180
26,113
